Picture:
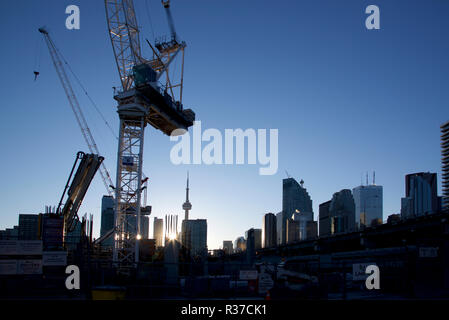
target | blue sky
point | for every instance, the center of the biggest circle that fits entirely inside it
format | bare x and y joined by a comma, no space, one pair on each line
346,100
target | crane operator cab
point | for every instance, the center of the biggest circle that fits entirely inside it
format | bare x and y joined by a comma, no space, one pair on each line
167,114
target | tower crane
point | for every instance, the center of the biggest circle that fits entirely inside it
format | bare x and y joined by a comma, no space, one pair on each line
142,100
57,60
74,104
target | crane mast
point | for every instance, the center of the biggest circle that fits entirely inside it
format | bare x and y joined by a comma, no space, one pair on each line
74,104
124,35
141,101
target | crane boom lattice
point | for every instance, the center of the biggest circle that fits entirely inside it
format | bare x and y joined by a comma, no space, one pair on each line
74,104
124,34
142,100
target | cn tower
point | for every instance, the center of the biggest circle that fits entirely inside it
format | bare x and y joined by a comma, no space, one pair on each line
187,206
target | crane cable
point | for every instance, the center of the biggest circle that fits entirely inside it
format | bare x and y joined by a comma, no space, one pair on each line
87,94
147,6
37,58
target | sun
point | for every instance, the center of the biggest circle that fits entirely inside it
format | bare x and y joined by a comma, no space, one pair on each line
172,236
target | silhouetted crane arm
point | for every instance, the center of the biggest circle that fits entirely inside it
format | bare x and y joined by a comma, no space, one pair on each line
124,34
87,167
74,104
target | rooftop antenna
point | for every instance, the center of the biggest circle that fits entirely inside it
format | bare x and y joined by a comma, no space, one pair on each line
374,178
361,178
367,178
288,176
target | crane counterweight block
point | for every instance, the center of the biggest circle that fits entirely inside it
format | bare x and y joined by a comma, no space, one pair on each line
159,110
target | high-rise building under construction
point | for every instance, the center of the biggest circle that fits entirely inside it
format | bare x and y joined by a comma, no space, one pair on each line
445,164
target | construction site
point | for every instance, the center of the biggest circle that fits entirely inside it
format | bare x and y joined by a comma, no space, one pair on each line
55,255
147,96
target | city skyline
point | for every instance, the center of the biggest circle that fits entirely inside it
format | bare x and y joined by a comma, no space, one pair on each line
331,137
291,197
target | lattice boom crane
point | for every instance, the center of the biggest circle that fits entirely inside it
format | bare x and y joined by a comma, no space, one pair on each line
74,104
142,100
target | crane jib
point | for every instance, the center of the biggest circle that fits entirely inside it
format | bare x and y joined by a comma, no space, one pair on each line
75,106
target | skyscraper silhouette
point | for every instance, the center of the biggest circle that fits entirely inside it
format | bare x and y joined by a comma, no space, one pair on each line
295,201
445,163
